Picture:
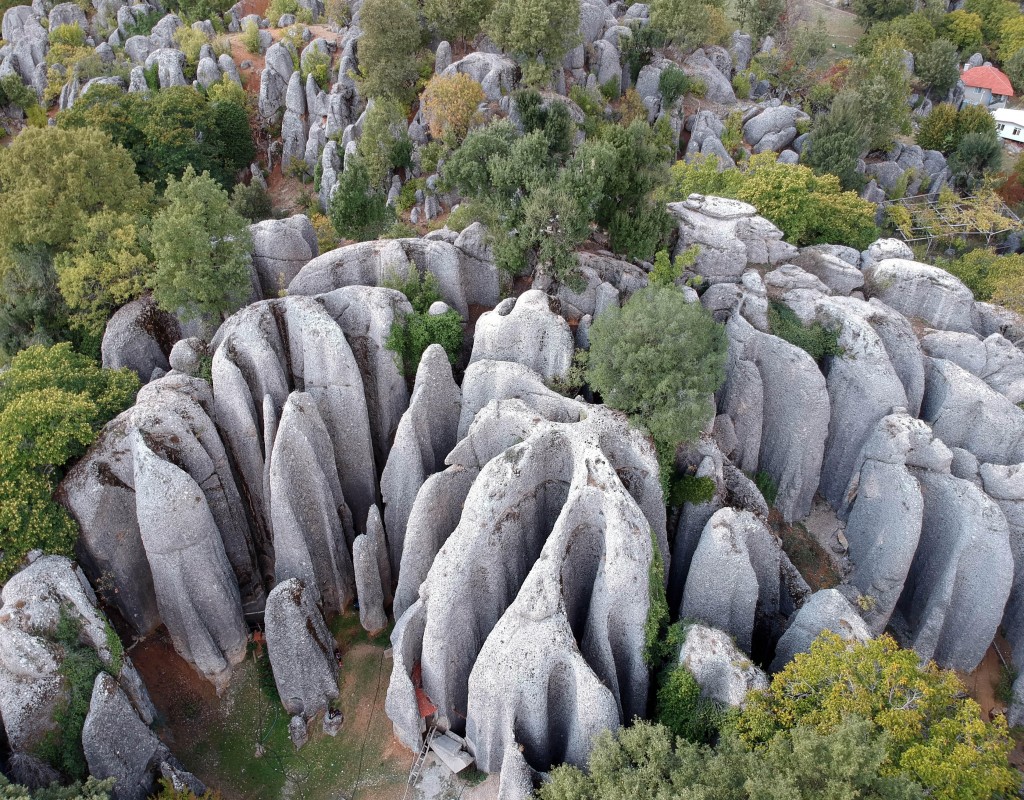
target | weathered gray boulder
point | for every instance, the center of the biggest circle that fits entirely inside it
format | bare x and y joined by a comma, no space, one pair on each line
838,275
730,235
779,405
368,585
718,87
965,412
293,125
528,331
119,745
425,435
195,588
884,510
733,583
771,124
189,355
274,80
282,247
961,576
67,14
162,34
301,650
741,45
207,72
169,64
825,610
994,359
724,672
919,291
883,249
139,336
495,73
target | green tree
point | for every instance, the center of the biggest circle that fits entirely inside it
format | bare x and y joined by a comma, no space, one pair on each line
938,66
388,48
659,359
963,29
760,17
53,402
872,11
449,104
411,335
1014,69
384,145
838,140
358,211
92,789
976,155
201,249
993,13
938,130
884,86
104,268
467,168
934,734
690,23
533,30
456,19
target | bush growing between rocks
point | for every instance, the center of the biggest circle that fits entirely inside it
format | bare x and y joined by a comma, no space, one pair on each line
388,48
92,789
449,105
456,20
814,339
384,145
252,201
673,84
682,710
688,24
837,141
68,35
318,64
990,276
659,359
53,401
534,30
411,336
358,211
976,155
251,39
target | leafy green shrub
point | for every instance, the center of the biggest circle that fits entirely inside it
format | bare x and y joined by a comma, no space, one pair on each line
638,49
638,235
766,486
279,8
741,85
251,201
682,710
15,93
142,24
358,211
71,35
318,64
673,84
411,336
190,41
815,339
691,489
657,623
251,39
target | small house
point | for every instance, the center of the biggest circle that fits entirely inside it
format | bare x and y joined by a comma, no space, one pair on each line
985,86
1010,124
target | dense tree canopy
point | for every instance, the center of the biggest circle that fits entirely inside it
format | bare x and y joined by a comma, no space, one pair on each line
201,248
389,48
534,29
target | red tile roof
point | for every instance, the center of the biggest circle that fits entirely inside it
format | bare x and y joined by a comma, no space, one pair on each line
988,78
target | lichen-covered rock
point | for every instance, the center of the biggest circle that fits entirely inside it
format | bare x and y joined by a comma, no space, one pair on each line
527,331
495,73
730,235
139,336
281,247
425,435
725,674
301,650
733,582
838,275
919,291
961,576
882,249
274,80
825,610
994,359
195,588
119,745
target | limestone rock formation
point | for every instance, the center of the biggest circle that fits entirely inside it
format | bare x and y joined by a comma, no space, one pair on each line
425,435
139,336
724,672
280,248
527,331
196,591
920,291
825,610
301,650
368,585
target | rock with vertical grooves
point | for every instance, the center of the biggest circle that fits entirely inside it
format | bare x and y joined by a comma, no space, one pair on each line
196,590
400,703
301,650
426,434
961,575
280,248
368,585
527,331
921,291
312,523
516,776
825,610
734,578
375,530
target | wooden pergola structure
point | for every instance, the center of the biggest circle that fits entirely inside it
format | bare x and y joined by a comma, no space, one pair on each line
927,218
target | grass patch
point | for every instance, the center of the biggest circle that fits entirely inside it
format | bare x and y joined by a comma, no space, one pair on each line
250,717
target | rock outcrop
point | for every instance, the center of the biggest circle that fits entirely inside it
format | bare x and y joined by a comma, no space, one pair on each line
825,610
139,336
527,331
723,671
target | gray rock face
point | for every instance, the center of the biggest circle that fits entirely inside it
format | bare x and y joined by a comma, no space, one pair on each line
32,687
301,650
495,73
719,88
207,72
838,275
169,66
464,279
965,412
426,434
961,576
724,672
920,291
282,247
883,249
195,588
162,34
139,336
117,744
826,610
274,80
527,331
733,583
293,125
885,510
730,235
794,412
771,124
368,585
558,546
994,359
67,14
